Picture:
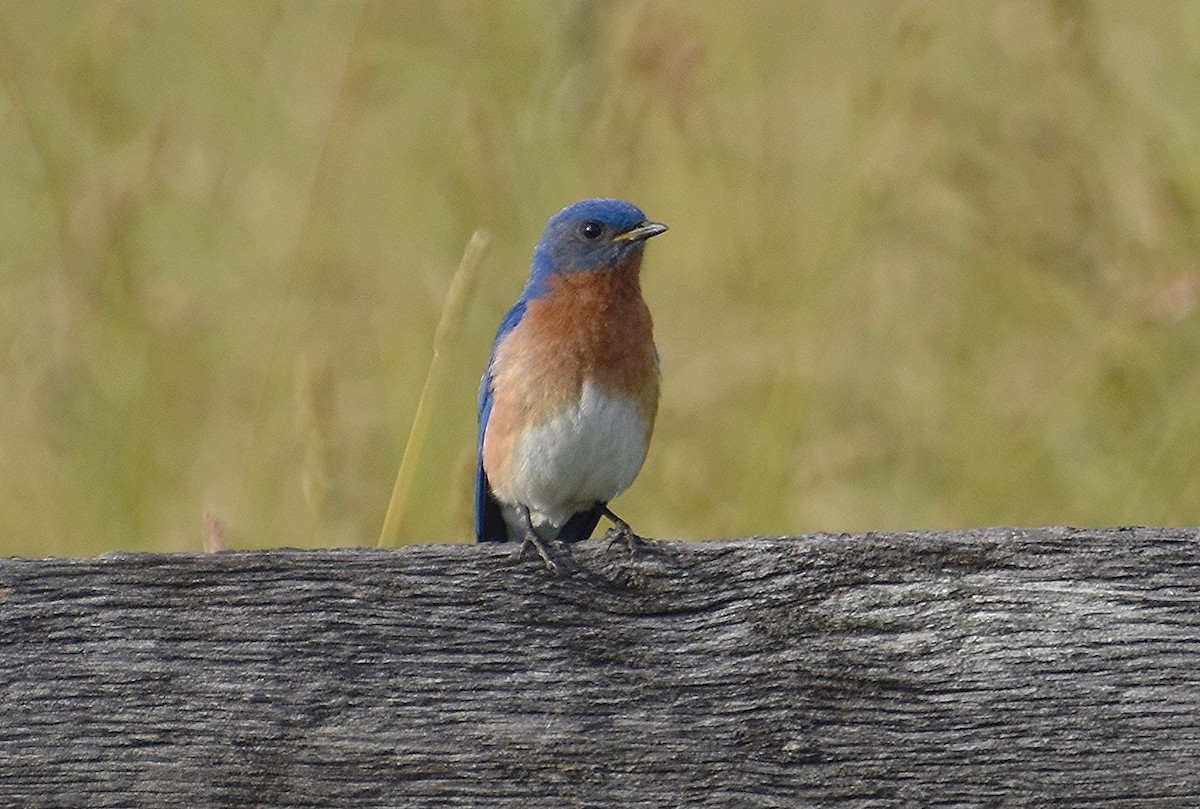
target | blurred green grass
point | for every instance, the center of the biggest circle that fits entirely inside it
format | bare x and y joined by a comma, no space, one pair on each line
930,264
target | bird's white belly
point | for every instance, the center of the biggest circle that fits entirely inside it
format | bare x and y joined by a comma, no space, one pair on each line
588,454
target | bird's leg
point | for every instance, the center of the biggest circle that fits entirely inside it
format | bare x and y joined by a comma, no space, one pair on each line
621,532
532,540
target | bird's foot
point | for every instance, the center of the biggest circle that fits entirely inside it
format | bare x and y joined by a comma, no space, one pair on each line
536,543
621,533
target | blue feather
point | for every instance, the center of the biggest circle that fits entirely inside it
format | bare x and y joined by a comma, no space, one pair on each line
489,520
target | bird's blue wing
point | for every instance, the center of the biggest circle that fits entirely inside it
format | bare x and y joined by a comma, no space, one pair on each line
489,520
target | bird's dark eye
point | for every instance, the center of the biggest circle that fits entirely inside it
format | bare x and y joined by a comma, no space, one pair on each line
591,230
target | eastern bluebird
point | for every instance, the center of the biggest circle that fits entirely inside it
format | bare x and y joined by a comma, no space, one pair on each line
567,403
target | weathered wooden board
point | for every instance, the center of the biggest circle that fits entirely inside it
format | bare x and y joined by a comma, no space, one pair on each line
1036,667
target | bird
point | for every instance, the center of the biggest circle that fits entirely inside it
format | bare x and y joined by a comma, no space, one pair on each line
569,395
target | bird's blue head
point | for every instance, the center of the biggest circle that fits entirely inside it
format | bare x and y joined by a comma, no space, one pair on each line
592,234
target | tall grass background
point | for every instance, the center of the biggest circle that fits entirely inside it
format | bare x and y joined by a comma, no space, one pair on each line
930,264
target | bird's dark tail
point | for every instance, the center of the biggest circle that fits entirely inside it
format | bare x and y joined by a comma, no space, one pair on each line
581,526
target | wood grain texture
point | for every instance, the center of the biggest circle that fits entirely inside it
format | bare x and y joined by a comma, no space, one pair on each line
1039,667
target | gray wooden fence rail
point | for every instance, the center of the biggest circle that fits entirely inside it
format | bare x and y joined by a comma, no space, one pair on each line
1039,667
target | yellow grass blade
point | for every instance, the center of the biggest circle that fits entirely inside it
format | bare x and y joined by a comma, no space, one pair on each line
447,328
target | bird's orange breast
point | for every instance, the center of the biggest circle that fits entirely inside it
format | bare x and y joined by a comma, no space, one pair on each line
589,327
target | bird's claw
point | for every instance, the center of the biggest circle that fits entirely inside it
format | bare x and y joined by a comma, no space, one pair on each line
532,540
622,533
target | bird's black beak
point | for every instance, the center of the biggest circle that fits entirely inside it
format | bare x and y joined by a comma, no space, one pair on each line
641,232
